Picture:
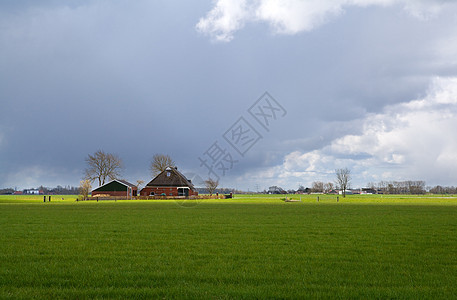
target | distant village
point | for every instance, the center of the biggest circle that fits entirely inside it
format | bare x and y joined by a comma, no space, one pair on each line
179,187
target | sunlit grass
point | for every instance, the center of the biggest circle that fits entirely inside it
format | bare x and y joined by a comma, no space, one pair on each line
248,247
257,198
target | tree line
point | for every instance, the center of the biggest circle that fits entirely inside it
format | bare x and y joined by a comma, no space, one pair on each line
415,187
438,189
343,181
58,190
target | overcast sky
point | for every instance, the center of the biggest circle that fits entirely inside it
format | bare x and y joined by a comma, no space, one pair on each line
370,85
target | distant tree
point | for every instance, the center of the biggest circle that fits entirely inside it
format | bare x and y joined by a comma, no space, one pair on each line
328,187
67,190
302,190
84,188
443,190
43,189
438,190
211,185
343,179
416,187
102,166
139,182
159,163
7,191
317,187
371,185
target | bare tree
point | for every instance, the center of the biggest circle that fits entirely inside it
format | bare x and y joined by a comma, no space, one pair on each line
211,185
317,187
159,163
84,188
371,185
102,166
343,179
328,187
138,183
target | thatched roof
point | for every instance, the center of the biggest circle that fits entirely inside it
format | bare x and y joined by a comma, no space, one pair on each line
170,177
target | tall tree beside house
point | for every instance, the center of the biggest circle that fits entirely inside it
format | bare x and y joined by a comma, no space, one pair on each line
211,185
343,179
102,166
159,163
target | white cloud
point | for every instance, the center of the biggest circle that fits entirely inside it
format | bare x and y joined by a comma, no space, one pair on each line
224,19
410,141
424,9
294,16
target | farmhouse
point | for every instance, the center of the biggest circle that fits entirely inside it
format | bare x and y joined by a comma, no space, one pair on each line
348,192
170,182
116,188
33,192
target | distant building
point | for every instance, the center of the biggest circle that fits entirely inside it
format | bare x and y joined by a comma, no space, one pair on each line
170,182
368,191
303,190
33,192
276,190
116,188
348,192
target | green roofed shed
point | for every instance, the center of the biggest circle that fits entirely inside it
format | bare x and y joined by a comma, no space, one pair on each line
116,188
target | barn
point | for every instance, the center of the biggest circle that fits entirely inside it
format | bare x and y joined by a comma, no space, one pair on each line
170,182
116,188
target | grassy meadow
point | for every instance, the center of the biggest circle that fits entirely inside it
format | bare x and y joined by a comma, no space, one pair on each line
252,246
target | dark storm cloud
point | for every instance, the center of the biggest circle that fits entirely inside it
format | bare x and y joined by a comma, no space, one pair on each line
137,79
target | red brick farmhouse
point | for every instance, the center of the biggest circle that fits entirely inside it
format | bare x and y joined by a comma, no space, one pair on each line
169,183
116,188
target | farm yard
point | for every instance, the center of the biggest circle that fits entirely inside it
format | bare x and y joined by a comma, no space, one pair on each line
252,246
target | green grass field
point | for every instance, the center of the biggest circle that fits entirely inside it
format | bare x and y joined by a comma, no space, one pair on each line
248,247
